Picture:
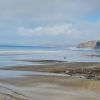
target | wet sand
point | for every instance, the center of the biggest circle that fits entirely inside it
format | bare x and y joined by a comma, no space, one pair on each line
46,87
53,66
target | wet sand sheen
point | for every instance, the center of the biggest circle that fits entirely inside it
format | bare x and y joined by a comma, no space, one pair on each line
61,88
20,74
55,87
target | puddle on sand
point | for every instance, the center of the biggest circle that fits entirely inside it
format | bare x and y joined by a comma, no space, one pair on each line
17,74
13,74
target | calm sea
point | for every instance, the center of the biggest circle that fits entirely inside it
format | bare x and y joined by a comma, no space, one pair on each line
11,55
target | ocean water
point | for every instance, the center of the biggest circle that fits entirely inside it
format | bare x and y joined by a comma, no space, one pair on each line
12,55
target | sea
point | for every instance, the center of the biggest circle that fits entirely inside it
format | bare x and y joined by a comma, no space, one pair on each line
12,55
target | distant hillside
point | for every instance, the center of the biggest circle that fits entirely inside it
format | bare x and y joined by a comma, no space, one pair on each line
90,44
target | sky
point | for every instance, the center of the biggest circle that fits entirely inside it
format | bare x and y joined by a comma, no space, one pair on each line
33,22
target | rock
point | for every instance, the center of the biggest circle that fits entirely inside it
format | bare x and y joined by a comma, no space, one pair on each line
90,44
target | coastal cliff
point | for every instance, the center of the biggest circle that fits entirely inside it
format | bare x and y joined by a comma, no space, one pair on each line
90,44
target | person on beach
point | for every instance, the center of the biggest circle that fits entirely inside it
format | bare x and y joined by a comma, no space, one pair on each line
64,58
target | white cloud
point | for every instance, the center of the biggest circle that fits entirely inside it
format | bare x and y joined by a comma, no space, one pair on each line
48,30
82,31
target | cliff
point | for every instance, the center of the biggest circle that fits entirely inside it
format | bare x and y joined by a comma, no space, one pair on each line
90,44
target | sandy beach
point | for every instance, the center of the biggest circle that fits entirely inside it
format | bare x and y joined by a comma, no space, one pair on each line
49,81
49,49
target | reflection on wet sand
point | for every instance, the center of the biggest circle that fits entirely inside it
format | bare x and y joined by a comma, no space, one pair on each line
49,81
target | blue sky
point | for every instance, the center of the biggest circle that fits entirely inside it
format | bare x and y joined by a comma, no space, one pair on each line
32,22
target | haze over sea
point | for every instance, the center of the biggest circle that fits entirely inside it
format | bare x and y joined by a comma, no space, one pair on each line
11,55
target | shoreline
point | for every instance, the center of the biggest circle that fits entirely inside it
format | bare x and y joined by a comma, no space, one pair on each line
85,70
50,64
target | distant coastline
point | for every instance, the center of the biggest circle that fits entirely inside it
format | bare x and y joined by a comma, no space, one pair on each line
95,44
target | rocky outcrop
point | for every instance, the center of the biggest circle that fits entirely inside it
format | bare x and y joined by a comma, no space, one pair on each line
90,44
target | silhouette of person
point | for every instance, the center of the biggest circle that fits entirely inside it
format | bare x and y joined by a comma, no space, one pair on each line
64,58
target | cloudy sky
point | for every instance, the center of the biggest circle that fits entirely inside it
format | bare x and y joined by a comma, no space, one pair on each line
29,22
